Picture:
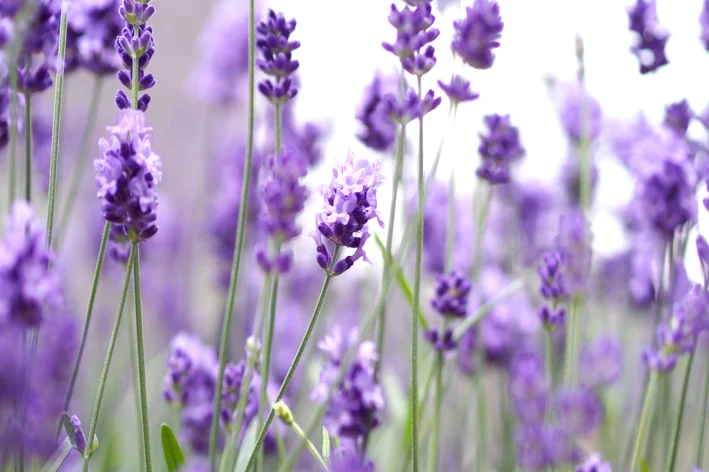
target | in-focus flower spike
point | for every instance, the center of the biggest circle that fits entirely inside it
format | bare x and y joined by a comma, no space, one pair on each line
678,116
601,363
79,437
594,463
529,387
357,400
350,202
29,286
127,174
92,28
458,90
273,40
413,32
650,43
135,42
498,149
283,198
410,107
379,129
552,277
478,33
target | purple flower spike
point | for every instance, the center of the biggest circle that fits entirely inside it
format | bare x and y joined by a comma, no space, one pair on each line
29,286
573,242
478,33
79,438
601,363
413,32
350,202
552,277
580,411
652,39
93,26
127,174
678,117
528,387
594,463
4,115
498,149
135,43
458,90
552,318
379,129
441,343
273,41
451,296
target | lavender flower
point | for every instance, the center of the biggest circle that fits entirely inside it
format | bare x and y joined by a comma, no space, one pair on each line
594,463
413,32
347,459
678,116
441,340
231,393
29,286
127,174
478,33
529,387
350,202
542,446
580,114
93,26
4,115
580,411
283,197
704,23
574,245
451,296
277,50
552,318
410,106
553,280
498,149
79,438
356,401
650,43
458,90
600,363
379,130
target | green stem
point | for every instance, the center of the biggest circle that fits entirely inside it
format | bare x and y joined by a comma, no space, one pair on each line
481,221
135,81
238,248
294,363
450,234
572,334
433,451
28,146
481,397
136,381
87,320
80,165
311,447
703,426
644,421
56,122
141,359
549,358
417,299
680,415
107,361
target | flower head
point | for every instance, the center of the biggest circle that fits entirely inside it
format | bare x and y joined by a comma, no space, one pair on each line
458,90
350,202
498,149
580,114
277,61
93,26
451,296
379,129
477,35
413,37
573,243
678,117
410,106
650,43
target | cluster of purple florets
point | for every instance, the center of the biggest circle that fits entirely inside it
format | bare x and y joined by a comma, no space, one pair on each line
277,61
477,35
91,36
498,149
651,37
450,300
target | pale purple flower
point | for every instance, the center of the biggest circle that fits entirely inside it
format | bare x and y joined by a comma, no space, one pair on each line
594,463
601,362
478,34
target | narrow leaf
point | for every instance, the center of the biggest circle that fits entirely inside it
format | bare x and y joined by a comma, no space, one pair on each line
171,449
59,456
68,427
401,280
325,444
247,445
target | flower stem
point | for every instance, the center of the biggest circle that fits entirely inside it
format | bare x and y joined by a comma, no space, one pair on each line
80,165
644,421
680,414
311,447
28,147
294,363
433,451
87,320
107,361
238,248
417,299
549,357
141,358
572,334
703,426
56,122
481,220
136,381
482,412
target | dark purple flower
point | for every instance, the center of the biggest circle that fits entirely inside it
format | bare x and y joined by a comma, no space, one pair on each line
4,115
458,90
579,411
273,41
594,463
551,273
498,149
600,363
650,43
529,387
441,343
678,116
451,295
667,197
127,174
409,107
29,287
350,202
704,23
478,33
79,438
413,32
379,130
93,26
283,198
552,318
357,400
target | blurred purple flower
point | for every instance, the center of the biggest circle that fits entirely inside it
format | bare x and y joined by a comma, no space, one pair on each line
601,363
594,463
678,117
650,43
574,244
93,26
704,24
542,446
378,128
579,411
478,34
458,90
498,149
580,113
529,387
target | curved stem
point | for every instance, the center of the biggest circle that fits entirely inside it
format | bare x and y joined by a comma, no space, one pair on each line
417,299
107,361
141,358
311,447
241,226
680,415
294,363
28,147
56,122
703,426
80,164
644,421
87,320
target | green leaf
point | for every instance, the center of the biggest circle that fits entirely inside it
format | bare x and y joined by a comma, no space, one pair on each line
59,456
171,449
247,445
401,280
68,427
325,444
